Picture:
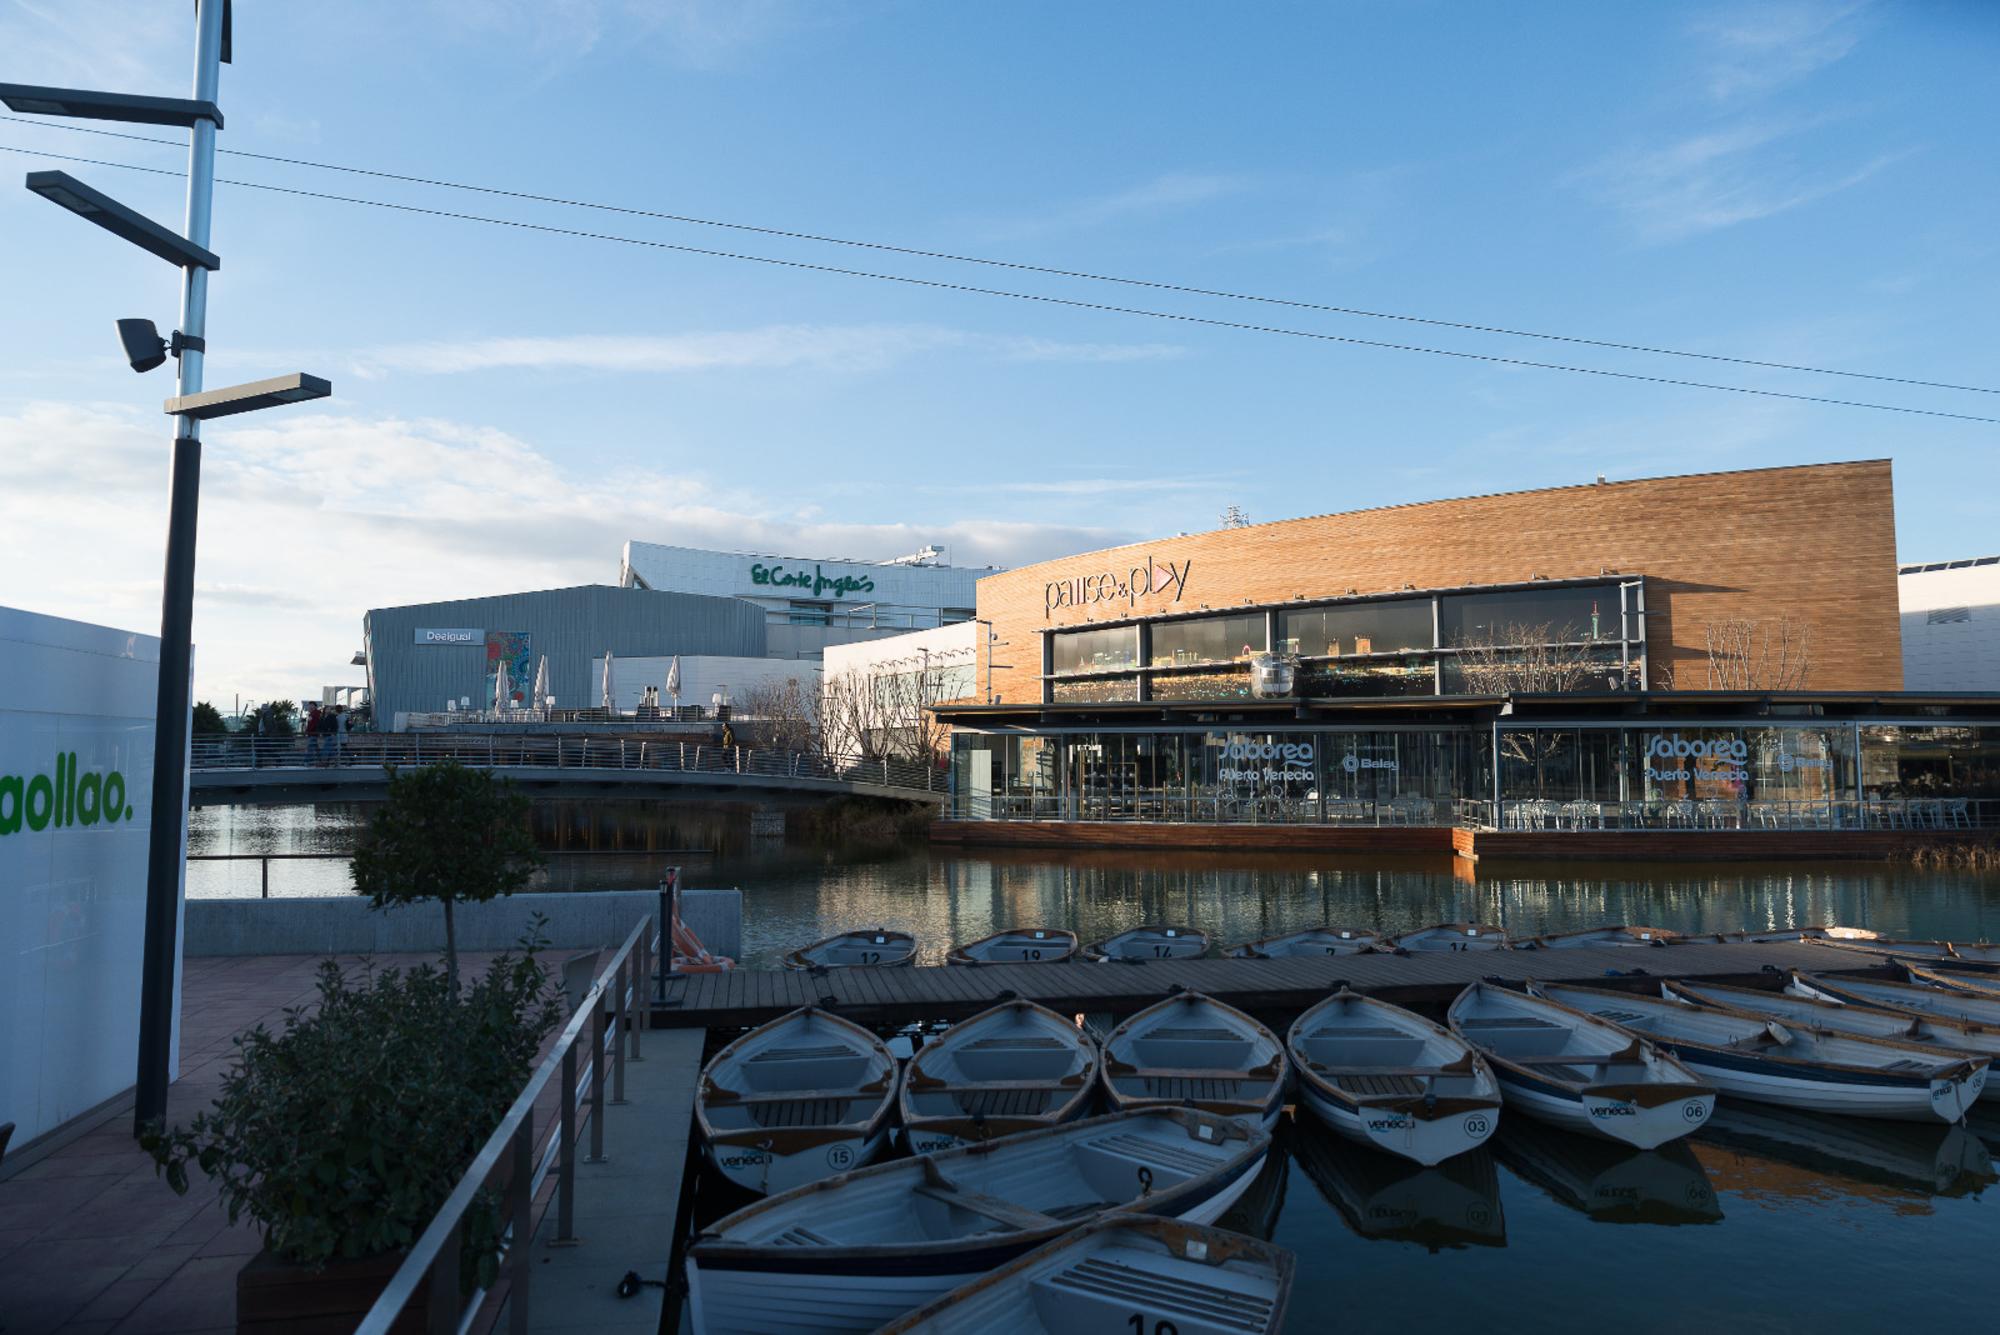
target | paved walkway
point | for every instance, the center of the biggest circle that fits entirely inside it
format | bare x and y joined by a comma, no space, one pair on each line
93,1241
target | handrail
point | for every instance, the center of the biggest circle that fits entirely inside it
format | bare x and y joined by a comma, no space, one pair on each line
559,751
436,1252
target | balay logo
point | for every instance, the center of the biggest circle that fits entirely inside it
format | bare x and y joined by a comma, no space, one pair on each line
71,797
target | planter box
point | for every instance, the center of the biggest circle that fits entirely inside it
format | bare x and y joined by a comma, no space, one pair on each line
275,1296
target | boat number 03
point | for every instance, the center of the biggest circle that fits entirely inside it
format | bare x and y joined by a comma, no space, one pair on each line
1693,1111
1476,1126
840,1156
1159,1327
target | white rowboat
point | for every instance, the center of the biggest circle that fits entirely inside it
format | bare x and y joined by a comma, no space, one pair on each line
1982,957
1193,1051
857,1251
1010,1069
1019,945
1604,936
870,947
798,1099
1122,1272
1815,1013
1577,1071
1756,1058
1906,997
1388,1078
1313,941
1150,943
1746,937
1450,936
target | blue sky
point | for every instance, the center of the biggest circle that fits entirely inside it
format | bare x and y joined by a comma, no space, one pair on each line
1799,182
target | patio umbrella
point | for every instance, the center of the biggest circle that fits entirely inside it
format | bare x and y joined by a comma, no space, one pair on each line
502,688
674,682
541,683
607,679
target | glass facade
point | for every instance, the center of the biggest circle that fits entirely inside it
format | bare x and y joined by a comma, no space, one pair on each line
1573,637
1762,773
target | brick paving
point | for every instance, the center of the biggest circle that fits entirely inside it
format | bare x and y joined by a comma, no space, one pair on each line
93,1241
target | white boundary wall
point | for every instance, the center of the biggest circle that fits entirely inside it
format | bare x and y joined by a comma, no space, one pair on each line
76,727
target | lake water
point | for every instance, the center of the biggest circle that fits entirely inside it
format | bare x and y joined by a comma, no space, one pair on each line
1767,1221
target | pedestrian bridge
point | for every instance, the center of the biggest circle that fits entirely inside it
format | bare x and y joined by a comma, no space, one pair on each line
240,770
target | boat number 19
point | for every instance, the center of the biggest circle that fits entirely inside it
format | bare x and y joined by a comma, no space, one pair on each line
1159,1327
1031,954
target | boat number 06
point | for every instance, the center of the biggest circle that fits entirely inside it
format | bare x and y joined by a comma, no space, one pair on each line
1159,1327
1693,1111
1476,1126
840,1156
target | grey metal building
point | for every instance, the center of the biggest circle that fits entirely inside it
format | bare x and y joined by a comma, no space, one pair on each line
423,655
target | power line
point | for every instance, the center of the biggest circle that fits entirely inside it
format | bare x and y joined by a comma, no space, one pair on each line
1072,302
1020,266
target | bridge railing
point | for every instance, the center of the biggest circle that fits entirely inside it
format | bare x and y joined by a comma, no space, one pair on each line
498,751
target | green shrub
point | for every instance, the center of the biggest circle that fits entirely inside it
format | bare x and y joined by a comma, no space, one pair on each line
342,1135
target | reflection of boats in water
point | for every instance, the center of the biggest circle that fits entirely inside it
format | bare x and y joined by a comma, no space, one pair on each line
1256,1211
1936,1161
1611,1183
1455,1204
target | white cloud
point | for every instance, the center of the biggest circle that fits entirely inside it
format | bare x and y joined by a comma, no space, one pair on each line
853,348
1705,182
1166,193
100,44
1754,49
310,521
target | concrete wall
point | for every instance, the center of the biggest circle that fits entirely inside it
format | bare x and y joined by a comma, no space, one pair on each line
345,925
1951,626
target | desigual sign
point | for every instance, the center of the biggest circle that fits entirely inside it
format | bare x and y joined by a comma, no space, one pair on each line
1247,761
41,801
1720,760
817,580
1109,586
449,635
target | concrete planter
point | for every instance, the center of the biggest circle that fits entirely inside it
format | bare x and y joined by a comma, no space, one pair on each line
275,1295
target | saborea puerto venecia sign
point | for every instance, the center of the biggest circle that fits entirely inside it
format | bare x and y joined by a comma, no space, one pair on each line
1671,757
1263,763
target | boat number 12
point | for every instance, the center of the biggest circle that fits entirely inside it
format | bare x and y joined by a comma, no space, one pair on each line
1159,1327
871,957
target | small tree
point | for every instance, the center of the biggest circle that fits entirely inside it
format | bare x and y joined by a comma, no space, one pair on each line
448,833
207,720
1745,654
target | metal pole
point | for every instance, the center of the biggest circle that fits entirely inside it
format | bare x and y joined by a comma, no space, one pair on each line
566,1165
521,1190
596,1079
642,979
170,714
624,1035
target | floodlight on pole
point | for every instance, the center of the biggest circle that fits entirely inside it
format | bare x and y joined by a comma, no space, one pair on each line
85,104
127,224
295,388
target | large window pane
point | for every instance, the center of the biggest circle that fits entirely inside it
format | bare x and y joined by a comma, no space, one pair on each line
1208,640
1227,684
1588,613
1359,628
1097,650
1412,676
1099,690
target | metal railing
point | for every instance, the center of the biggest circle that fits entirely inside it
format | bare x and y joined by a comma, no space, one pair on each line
608,1021
1942,815
494,751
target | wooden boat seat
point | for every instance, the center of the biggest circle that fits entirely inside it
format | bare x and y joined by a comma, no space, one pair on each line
1025,1043
1115,1283
1379,1085
1001,1102
1179,1034
831,1050
1488,1024
724,1098
1358,1031
990,1207
1578,1059
788,1114
1076,1210
801,1236
1199,1089
1146,1150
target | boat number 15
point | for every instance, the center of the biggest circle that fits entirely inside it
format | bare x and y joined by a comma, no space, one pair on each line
1159,1327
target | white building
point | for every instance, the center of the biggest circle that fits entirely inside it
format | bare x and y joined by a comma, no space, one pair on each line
811,603
1951,625
876,695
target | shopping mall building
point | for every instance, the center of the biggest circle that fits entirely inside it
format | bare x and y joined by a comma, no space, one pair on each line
1718,652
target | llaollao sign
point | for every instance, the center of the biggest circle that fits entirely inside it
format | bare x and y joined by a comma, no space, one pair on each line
67,797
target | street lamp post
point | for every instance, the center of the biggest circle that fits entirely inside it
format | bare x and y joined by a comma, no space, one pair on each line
189,407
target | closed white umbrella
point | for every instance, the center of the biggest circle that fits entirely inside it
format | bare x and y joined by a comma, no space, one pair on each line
541,699
607,679
502,688
674,682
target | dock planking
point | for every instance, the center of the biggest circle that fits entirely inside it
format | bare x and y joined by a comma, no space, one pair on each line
747,997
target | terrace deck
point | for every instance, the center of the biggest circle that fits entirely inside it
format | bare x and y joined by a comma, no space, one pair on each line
899,996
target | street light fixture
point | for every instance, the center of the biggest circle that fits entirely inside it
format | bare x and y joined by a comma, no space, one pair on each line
144,350
92,106
127,224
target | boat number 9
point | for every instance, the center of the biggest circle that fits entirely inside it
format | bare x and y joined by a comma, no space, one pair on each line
1693,1111
1477,1126
840,1156
1145,1180
1159,1327
871,957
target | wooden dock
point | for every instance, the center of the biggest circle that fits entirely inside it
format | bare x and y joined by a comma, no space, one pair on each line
900,996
